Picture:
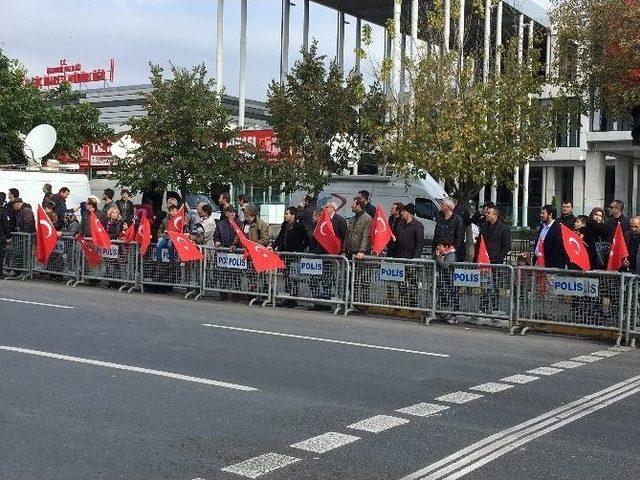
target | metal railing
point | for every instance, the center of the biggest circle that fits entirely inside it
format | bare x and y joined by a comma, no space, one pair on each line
19,256
167,270
318,279
396,283
119,265
65,261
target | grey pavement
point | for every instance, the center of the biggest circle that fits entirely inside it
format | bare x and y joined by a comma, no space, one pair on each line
72,417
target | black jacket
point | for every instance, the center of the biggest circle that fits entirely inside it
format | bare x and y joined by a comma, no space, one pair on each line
5,226
497,238
553,248
633,246
593,233
409,239
370,209
85,224
25,221
60,208
127,210
292,238
394,222
224,232
449,231
612,223
568,221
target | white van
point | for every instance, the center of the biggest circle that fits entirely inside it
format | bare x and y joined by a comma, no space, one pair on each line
30,183
424,193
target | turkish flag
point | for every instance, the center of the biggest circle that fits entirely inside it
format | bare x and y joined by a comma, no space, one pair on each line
46,237
91,254
187,250
575,248
99,235
143,235
483,254
618,250
176,224
264,260
129,235
540,253
380,231
325,235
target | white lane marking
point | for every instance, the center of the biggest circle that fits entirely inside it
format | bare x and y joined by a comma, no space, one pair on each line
520,379
545,371
325,442
491,387
459,397
606,353
558,414
422,409
378,423
619,349
130,368
40,304
567,364
587,358
327,340
257,466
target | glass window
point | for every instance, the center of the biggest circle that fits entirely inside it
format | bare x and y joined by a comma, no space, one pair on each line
425,208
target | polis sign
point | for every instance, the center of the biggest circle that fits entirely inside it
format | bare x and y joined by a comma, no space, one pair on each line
231,260
392,272
575,286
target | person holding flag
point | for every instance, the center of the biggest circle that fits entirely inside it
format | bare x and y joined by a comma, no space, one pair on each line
380,231
169,224
46,236
619,252
549,251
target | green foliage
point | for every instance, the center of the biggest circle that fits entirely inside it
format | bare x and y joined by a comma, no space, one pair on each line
181,136
23,106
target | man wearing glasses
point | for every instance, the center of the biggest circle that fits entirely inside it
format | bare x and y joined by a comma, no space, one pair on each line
616,217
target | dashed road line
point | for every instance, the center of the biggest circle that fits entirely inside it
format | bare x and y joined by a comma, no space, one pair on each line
130,368
491,387
619,348
545,371
39,304
327,340
258,466
325,442
587,358
459,397
520,379
378,423
423,409
567,364
606,353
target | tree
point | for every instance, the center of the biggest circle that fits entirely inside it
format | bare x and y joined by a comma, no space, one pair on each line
597,53
466,131
185,139
23,106
308,110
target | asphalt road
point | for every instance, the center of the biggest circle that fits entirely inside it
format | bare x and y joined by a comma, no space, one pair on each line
155,387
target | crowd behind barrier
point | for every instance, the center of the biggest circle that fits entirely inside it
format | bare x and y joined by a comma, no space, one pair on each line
521,297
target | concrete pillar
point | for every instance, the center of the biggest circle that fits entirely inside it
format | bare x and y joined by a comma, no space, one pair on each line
543,195
414,28
550,186
634,192
242,78
487,40
594,175
498,37
525,196
305,26
358,42
396,49
446,34
494,192
481,195
219,39
403,64
284,39
578,190
340,41
516,199
623,178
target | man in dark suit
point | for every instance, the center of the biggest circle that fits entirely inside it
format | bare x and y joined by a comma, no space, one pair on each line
549,242
632,239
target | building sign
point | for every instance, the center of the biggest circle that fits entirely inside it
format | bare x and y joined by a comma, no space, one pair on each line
575,286
97,155
73,73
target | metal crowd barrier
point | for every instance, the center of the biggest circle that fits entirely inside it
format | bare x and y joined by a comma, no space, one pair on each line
319,279
470,289
595,299
165,272
19,255
65,261
227,272
398,283
120,265
633,310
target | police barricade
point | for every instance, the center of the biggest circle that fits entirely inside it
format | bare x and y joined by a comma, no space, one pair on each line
167,270
319,279
226,271
65,261
119,265
632,328
476,290
18,257
398,283
593,300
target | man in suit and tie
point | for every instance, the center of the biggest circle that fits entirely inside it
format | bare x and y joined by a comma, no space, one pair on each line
549,242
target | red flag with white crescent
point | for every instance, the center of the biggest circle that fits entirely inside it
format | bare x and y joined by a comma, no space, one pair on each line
91,254
618,251
176,224
380,231
325,235
99,235
186,249
575,248
263,259
129,235
46,237
483,254
143,235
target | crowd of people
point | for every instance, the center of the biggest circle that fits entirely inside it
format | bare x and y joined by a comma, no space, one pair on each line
296,233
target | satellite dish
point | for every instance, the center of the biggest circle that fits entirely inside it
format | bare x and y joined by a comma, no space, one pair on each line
39,142
124,147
